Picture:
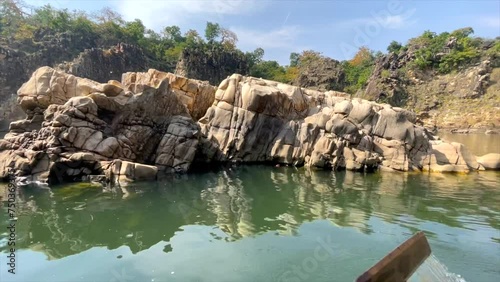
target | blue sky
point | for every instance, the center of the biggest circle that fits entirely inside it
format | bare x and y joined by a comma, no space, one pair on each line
334,27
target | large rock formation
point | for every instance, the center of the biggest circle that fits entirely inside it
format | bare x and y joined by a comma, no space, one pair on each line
146,125
254,120
16,65
77,127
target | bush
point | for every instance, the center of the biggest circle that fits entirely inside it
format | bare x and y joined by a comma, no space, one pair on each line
385,74
445,52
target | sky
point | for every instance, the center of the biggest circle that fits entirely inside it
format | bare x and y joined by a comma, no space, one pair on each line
336,28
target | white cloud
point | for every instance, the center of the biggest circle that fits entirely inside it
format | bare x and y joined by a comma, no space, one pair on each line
278,43
283,38
156,14
394,21
400,21
493,22
384,20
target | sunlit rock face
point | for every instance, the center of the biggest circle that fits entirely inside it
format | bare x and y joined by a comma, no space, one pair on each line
77,127
147,125
255,120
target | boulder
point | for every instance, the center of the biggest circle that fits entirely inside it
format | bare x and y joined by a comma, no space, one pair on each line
197,96
490,161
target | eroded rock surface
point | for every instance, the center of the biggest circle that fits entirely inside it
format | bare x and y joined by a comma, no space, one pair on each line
146,125
77,127
254,120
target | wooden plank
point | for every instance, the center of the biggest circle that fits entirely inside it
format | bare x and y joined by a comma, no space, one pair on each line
400,264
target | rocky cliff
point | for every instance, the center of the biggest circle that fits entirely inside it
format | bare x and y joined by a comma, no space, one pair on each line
254,120
19,59
16,66
103,65
469,98
321,74
74,124
146,125
212,64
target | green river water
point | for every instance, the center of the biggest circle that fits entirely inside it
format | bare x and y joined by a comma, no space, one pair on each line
253,223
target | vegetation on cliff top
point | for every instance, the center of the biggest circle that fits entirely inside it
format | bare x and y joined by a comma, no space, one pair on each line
441,53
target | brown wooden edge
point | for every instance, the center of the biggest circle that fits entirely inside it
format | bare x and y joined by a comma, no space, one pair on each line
400,264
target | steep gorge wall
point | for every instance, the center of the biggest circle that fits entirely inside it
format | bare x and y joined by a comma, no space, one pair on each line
19,60
94,63
323,74
102,65
469,98
213,65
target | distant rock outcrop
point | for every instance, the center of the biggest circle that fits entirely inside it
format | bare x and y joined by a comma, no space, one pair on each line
468,98
322,74
213,65
146,125
106,64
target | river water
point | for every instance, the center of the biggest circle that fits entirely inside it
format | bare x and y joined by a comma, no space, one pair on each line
253,223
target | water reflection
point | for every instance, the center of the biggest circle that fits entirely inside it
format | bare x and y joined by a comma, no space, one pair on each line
478,143
248,201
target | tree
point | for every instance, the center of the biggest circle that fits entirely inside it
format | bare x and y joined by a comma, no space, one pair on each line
294,59
394,47
228,39
309,57
255,57
259,54
135,30
363,56
212,31
48,17
12,19
268,70
173,33
106,15
192,37
378,54
463,32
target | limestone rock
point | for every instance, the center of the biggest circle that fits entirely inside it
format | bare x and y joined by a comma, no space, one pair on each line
490,161
254,120
73,131
143,127
196,95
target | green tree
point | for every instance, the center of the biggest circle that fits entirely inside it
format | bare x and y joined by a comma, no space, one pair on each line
173,33
212,31
294,59
193,38
463,32
254,57
134,30
394,47
268,70
358,69
12,17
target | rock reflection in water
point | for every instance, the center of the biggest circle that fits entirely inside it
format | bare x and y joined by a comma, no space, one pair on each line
247,201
